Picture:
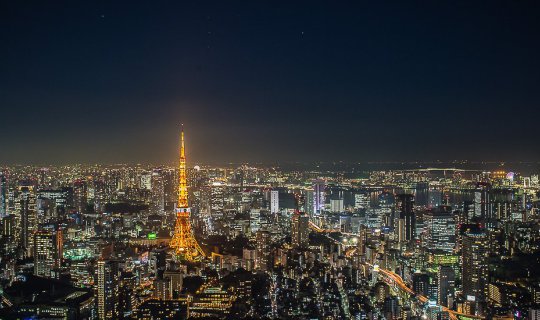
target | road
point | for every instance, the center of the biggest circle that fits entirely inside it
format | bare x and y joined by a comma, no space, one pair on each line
398,280
403,286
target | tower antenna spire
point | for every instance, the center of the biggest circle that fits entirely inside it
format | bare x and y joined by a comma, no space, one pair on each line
182,178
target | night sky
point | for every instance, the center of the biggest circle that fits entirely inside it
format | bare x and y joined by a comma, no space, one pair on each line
269,81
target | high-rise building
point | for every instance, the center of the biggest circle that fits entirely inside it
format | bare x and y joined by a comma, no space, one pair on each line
28,217
420,282
8,243
446,278
262,261
8,226
47,252
274,201
158,194
3,196
482,203
391,308
80,195
51,205
475,268
127,298
382,291
441,229
300,230
217,196
107,289
405,205
361,201
319,189
145,181
336,205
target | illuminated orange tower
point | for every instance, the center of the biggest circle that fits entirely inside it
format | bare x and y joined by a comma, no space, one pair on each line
183,242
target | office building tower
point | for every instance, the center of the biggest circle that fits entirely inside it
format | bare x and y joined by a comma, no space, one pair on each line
440,229
176,280
300,230
157,261
8,226
217,196
80,195
361,201
157,205
274,201
382,291
336,205
48,246
162,289
319,189
391,309
262,261
127,300
482,203
467,212
362,240
446,278
8,243
345,223
145,181
51,205
28,217
309,201
405,206
107,289
475,269
3,196
420,283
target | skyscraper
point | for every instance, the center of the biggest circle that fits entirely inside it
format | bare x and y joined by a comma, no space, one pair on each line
262,261
27,207
405,205
3,196
420,283
300,230
107,289
475,268
446,278
274,201
47,252
158,193
361,201
441,229
319,188
482,203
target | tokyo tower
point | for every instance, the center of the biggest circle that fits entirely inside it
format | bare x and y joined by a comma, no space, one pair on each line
183,242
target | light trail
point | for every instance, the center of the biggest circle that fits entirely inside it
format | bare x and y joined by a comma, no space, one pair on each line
403,286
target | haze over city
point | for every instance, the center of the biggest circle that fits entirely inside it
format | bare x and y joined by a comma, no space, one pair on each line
109,82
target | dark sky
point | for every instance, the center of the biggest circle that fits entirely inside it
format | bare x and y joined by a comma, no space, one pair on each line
267,81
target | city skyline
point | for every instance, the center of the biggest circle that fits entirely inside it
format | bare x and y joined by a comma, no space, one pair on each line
339,161
242,242
107,83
